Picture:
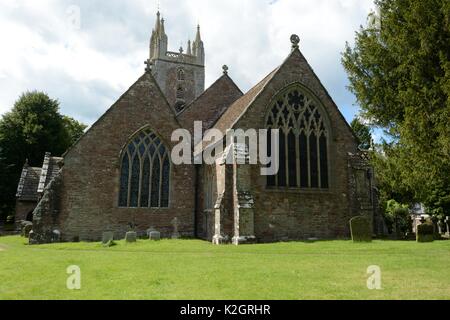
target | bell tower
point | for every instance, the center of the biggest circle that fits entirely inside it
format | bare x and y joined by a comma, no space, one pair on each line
180,75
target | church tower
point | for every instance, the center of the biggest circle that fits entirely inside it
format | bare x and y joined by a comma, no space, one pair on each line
180,75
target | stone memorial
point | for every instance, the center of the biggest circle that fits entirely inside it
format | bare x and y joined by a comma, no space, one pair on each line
56,236
154,235
26,228
175,224
108,238
425,232
360,229
447,223
131,237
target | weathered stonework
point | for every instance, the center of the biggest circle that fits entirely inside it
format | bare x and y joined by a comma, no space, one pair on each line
223,202
46,215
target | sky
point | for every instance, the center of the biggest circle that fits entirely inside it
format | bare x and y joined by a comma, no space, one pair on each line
87,53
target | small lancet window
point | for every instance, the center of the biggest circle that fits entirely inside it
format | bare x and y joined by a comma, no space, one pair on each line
181,75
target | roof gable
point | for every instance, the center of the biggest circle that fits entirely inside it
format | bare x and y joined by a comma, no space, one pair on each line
145,85
235,111
294,69
211,105
28,184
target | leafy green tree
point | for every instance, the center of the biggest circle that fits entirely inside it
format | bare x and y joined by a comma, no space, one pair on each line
75,129
399,70
33,127
397,216
5,175
363,133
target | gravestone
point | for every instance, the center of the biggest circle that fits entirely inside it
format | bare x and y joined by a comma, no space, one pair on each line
175,223
56,236
425,232
131,236
150,230
26,228
360,229
154,235
107,238
447,223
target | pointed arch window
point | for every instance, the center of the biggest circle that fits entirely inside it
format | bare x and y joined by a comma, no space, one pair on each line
145,173
180,93
181,74
304,139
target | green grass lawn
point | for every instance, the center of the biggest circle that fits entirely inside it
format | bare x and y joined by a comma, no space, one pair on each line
193,269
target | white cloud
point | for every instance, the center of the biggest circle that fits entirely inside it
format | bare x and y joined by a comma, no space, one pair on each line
87,68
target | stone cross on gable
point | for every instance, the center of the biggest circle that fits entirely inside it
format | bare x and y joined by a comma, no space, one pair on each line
176,224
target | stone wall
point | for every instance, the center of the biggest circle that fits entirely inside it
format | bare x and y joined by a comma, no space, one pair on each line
46,224
23,209
92,168
165,73
291,214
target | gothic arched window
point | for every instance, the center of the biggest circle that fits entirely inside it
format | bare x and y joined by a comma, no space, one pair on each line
180,75
304,139
145,173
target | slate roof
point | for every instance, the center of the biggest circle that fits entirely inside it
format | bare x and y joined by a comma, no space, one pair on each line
49,169
211,104
28,184
34,180
237,109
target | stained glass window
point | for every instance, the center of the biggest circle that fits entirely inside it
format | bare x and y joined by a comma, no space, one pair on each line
304,137
145,173
124,177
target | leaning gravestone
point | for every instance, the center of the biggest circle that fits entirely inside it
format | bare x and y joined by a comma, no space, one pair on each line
154,235
131,236
26,228
425,232
108,239
360,229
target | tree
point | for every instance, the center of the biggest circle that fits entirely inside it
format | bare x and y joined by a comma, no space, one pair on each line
5,175
399,71
363,133
75,129
33,127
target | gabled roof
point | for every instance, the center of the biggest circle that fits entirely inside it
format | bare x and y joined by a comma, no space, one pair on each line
28,184
49,170
235,111
147,76
239,108
211,104
34,180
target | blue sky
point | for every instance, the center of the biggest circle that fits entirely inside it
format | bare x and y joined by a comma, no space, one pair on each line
86,53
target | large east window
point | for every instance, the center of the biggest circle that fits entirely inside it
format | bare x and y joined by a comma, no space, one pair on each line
304,139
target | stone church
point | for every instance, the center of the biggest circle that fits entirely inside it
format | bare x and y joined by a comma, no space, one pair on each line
120,173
